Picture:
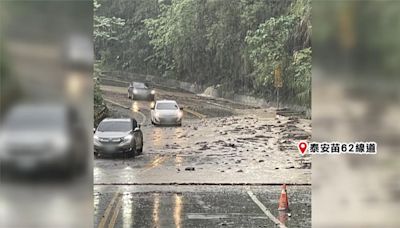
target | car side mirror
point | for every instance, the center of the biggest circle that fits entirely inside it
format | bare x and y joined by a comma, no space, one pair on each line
137,129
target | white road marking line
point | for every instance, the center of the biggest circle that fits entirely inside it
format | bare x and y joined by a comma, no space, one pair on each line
144,118
117,104
142,115
265,210
197,114
115,80
205,216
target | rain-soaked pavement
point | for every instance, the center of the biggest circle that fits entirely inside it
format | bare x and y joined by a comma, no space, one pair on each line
198,206
201,174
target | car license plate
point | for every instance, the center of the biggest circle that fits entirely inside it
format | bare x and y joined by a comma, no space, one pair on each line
26,164
110,148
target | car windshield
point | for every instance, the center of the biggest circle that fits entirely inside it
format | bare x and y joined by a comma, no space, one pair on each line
167,106
139,85
36,119
123,126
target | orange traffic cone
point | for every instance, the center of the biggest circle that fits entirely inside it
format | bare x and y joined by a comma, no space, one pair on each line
283,217
283,200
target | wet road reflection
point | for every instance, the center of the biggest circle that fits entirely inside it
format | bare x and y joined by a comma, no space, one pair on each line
178,161
135,106
178,211
156,208
234,150
157,134
127,210
203,206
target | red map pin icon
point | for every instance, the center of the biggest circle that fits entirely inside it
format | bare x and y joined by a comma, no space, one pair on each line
302,147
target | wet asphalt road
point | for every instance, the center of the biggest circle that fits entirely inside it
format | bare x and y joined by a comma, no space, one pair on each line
198,206
175,183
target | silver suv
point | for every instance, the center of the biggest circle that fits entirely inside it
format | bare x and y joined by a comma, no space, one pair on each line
45,139
118,136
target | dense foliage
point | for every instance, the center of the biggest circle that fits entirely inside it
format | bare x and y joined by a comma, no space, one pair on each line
357,36
237,44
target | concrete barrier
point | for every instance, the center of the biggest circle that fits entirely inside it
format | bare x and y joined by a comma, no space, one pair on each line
211,91
251,100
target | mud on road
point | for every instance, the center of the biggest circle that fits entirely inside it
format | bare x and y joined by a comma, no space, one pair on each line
232,143
219,143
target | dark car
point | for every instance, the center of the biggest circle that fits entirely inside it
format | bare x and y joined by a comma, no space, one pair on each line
140,91
118,136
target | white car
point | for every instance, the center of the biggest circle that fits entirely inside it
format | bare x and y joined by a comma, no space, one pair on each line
166,112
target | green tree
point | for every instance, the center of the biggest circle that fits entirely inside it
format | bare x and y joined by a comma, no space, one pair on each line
214,42
285,42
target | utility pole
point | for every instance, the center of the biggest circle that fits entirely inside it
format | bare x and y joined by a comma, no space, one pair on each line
278,82
277,98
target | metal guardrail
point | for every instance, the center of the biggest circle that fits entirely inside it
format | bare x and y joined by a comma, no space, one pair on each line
101,114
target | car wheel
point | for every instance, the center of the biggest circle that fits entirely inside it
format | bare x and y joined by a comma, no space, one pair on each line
81,167
133,151
67,170
140,151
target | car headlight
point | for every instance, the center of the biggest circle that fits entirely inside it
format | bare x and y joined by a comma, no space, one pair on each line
180,114
128,138
153,92
96,140
60,142
3,146
2,140
134,90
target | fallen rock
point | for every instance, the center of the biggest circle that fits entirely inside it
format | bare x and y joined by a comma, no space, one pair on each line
204,147
189,169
